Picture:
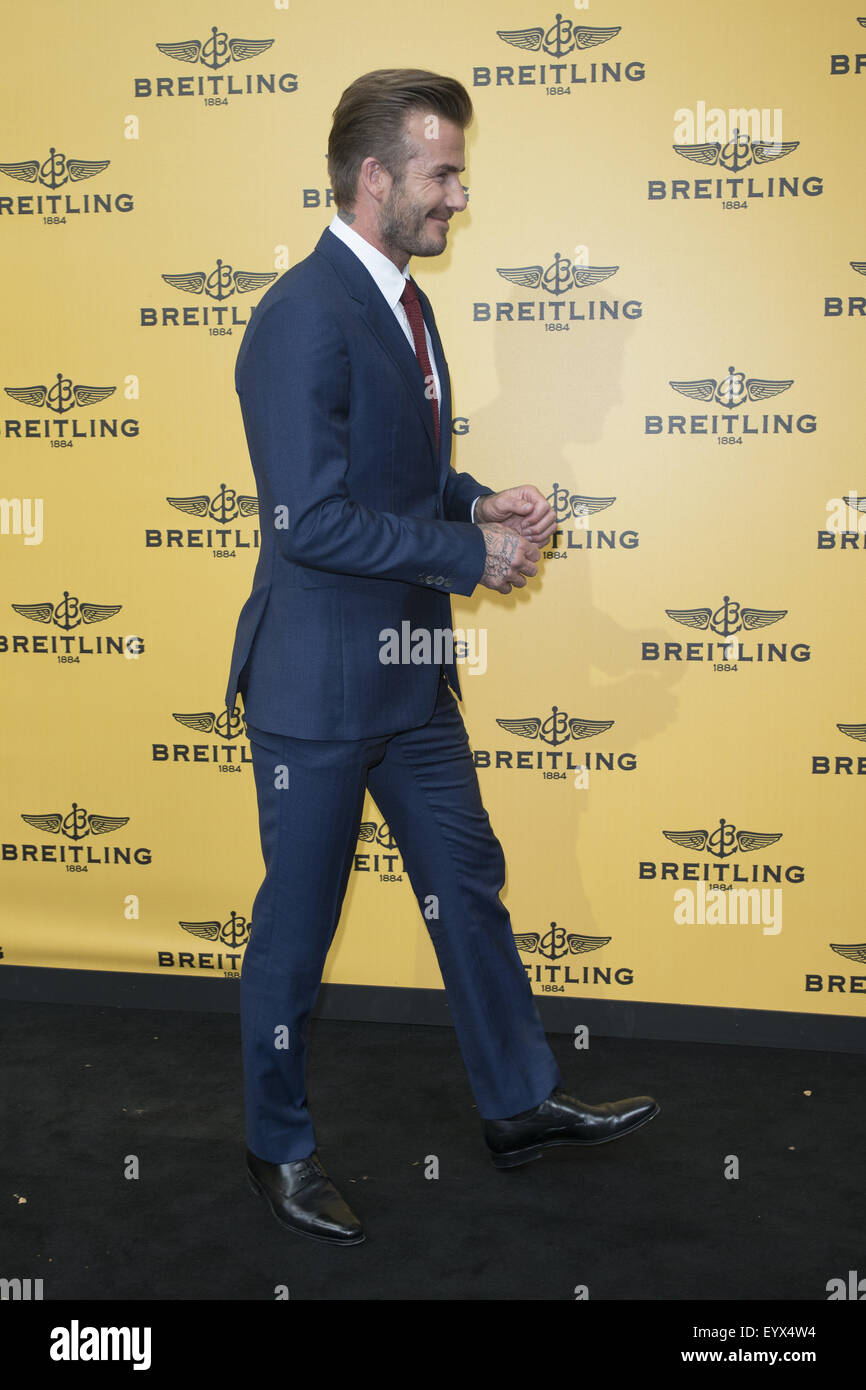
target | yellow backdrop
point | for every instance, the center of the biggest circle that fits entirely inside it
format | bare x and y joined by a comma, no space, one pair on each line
653,308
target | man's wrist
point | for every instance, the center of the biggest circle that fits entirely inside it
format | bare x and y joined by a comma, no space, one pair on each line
475,513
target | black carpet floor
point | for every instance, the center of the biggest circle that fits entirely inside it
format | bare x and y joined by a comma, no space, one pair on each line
649,1217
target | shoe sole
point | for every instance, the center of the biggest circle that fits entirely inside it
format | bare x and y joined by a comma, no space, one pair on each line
515,1157
296,1230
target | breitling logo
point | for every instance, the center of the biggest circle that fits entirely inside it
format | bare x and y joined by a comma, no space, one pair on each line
74,827
220,722
68,614
560,276
223,540
230,937
739,159
60,396
235,931
573,512
855,952
215,51
725,622
724,841
733,389
740,152
217,285
222,282
728,618
842,764
838,984
846,523
225,505
563,37
849,306
372,832
724,844
384,858
843,64
55,171
227,747
557,728
551,759
568,505
558,942
76,824
558,44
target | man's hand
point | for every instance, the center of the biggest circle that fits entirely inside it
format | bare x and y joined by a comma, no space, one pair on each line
509,557
523,508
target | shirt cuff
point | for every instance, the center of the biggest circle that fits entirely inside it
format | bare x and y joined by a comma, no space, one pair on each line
474,505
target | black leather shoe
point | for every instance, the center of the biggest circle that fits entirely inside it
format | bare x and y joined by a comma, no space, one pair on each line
561,1119
303,1199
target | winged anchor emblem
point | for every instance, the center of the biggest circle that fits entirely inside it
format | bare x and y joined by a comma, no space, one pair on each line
76,824
224,506
216,51
725,841
557,728
234,932
561,38
209,722
562,275
68,613
728,618
857,731
371,832
567,504
734,389
61,396
737,153
56,170
558,942
856,953
222,282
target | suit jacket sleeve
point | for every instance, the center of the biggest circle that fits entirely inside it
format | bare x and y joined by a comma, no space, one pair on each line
293,384
461,490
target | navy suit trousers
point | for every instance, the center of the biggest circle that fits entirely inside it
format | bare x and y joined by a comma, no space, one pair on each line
425,786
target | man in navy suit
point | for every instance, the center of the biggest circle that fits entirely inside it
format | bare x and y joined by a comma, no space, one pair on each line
366,528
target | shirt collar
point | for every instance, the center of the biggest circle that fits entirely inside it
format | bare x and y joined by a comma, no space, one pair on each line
390,280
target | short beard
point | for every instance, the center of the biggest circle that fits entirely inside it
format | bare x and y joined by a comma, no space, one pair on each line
402,226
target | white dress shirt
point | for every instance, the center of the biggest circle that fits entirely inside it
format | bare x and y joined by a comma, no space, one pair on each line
391,282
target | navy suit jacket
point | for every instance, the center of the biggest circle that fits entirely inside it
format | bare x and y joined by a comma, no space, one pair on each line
376,529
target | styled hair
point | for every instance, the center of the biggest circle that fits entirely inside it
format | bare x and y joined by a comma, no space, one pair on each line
370,119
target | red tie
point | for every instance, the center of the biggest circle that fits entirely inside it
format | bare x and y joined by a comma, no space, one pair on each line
409,300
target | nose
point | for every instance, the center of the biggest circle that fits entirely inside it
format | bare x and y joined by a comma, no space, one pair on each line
456,199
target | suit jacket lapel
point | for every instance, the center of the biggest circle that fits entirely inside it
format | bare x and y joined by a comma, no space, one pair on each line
380,319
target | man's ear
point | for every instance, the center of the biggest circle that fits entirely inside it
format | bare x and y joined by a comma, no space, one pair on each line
375,179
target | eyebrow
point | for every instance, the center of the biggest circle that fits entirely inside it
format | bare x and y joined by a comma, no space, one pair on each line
448,169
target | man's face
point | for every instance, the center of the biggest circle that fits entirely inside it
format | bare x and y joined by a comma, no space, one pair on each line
421,200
